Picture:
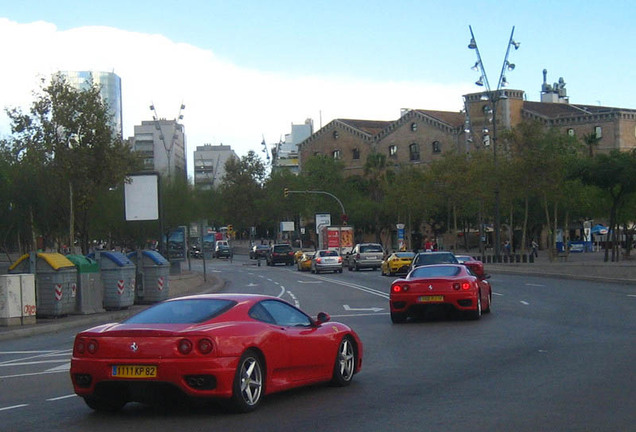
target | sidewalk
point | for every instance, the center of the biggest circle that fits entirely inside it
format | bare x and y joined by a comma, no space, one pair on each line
184,284
582,266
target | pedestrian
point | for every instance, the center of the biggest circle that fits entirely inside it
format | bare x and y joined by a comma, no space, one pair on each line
507,247
428,246
535,249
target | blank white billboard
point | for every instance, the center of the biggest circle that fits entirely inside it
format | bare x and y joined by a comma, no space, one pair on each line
141,195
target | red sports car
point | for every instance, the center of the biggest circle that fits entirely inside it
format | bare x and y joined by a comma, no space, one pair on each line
441,286
235,347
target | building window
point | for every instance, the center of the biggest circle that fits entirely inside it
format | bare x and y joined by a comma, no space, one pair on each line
437,147
598,132
356,153
571,132
392,151
336,154
414,152
336,135
413,126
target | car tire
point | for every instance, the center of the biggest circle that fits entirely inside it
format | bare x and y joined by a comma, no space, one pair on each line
249,381
398,317
345,364
476,314
487,310
104,404
340,271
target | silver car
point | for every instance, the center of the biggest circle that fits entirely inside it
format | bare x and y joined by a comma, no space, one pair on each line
326,260
365,255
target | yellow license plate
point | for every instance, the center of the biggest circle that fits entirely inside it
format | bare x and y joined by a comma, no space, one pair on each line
437,298
134,371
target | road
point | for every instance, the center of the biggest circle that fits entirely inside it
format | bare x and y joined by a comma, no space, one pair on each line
554,355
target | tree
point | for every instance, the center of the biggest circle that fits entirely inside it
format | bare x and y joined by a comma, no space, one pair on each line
615,175
66,143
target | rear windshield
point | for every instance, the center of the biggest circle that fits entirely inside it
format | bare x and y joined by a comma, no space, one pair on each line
435,258
282,248
371,248
436,271
328,253
189,311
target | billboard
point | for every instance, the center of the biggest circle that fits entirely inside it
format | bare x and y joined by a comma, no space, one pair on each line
141,197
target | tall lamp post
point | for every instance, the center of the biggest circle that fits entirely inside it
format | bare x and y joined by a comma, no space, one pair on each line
490,111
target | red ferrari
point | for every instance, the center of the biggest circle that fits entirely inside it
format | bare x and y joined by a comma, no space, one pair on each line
235,347
443,286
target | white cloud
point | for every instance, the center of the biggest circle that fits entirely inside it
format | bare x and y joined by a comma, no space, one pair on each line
224,102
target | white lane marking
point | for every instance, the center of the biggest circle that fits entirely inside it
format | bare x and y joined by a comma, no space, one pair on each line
525,303
13,407
61,397
282,292
371,309
631,295
355,286
296,301
61,368
29,363
497,294
535,285
375,314
309,282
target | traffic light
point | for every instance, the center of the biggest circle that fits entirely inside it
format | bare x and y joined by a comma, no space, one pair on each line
286,192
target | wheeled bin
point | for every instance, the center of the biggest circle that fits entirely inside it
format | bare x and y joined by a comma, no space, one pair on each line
90,291
153,272
118,279
55,282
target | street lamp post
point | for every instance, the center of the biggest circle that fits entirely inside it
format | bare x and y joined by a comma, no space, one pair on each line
74,139
491,111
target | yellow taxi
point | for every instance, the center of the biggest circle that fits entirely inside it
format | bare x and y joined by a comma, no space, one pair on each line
397,263
304,261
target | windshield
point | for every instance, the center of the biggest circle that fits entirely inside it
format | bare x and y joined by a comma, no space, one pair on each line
435,258
188,311
436,271
371,248
282,248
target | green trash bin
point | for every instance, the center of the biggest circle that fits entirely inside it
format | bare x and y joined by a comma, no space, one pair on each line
90,290
55,282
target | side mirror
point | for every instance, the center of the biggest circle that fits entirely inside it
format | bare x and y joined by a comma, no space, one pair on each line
322,318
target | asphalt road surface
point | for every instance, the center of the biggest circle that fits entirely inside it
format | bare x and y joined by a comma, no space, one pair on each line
554,355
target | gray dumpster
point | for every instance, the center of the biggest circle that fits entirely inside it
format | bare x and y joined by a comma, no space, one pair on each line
118,279
55,282
90,291
153,271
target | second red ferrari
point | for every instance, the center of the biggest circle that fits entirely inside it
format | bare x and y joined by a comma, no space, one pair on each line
450,287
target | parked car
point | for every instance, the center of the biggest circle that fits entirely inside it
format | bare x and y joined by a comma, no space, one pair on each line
304,262
233,347
280,253
365,255
445,287
259,251
326,260
397,263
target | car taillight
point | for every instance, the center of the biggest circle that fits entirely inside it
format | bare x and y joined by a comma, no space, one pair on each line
318,260
80,347
92,346
339,259
184,346
205,346
465,285
399,288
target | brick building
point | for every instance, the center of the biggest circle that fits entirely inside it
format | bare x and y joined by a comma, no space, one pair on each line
418,136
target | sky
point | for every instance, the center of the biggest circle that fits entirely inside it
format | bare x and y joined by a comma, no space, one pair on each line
247,70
